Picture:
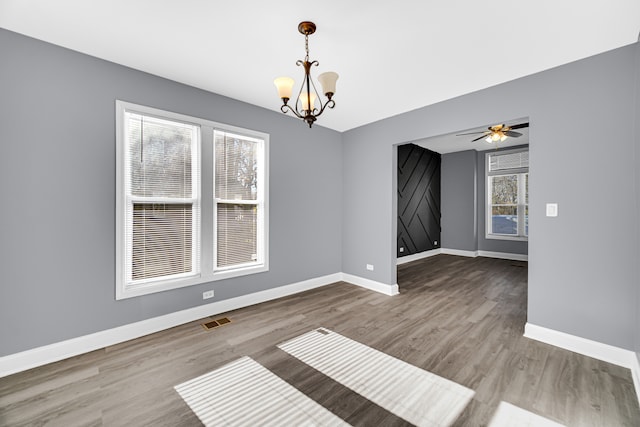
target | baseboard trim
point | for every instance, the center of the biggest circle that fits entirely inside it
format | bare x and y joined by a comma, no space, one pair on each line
487,254
39,356
414,257
504,255
597,350
460,252
371,284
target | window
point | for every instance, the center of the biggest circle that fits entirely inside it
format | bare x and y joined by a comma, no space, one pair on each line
239,202
508,195
168,234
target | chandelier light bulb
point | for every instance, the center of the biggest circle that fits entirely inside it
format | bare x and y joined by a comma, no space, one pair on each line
304,102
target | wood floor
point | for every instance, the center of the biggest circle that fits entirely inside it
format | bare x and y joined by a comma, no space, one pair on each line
459,318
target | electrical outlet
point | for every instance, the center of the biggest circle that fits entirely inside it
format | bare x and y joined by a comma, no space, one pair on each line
401,250
435,243
207,294
370,267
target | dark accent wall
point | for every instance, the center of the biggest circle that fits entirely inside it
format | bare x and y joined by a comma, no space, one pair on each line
418,200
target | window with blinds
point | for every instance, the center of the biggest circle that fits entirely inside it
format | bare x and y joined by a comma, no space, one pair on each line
160,215
238,200
161,199
508,195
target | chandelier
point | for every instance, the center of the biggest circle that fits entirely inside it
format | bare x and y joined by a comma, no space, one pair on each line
308,105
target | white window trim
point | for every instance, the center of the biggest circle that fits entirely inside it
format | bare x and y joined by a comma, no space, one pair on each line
521,203
206,239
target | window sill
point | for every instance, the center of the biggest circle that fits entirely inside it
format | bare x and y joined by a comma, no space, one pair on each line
237,272
506,237
167,285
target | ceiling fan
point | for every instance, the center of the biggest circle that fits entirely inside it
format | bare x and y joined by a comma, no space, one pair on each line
498,133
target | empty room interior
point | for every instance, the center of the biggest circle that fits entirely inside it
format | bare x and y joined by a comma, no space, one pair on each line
433,221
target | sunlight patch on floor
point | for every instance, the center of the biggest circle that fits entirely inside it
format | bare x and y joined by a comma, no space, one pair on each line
411,393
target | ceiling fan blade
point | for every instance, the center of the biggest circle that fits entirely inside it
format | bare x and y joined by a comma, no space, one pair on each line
520,126
471,133
480,137
512,134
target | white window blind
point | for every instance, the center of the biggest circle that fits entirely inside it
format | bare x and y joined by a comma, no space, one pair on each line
239,199
162,206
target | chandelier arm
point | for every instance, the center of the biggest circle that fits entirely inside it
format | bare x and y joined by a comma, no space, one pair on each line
298,98
330,103
307,78
286,107
316,90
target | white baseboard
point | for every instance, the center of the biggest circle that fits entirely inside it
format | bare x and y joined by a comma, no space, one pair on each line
460,252
414,257
61,350
488,254
371,284
597,350
504,255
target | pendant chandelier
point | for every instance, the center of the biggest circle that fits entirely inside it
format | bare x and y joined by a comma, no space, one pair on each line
308,105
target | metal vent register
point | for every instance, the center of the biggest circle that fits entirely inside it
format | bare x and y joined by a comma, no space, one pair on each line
215,323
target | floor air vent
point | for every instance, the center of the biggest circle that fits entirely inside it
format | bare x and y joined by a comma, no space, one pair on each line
215,323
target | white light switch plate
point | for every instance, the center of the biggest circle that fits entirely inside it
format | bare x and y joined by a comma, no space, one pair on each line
552,209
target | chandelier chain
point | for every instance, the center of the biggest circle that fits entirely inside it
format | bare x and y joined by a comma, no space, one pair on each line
306,47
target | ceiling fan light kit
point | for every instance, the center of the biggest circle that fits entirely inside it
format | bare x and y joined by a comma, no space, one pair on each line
308,105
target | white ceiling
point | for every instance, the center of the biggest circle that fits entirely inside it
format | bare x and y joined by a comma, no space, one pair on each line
392,56
455,142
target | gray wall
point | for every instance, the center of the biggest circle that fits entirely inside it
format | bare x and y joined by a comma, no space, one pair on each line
463,205
459,201
637,173
579,283
493,245
57,184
